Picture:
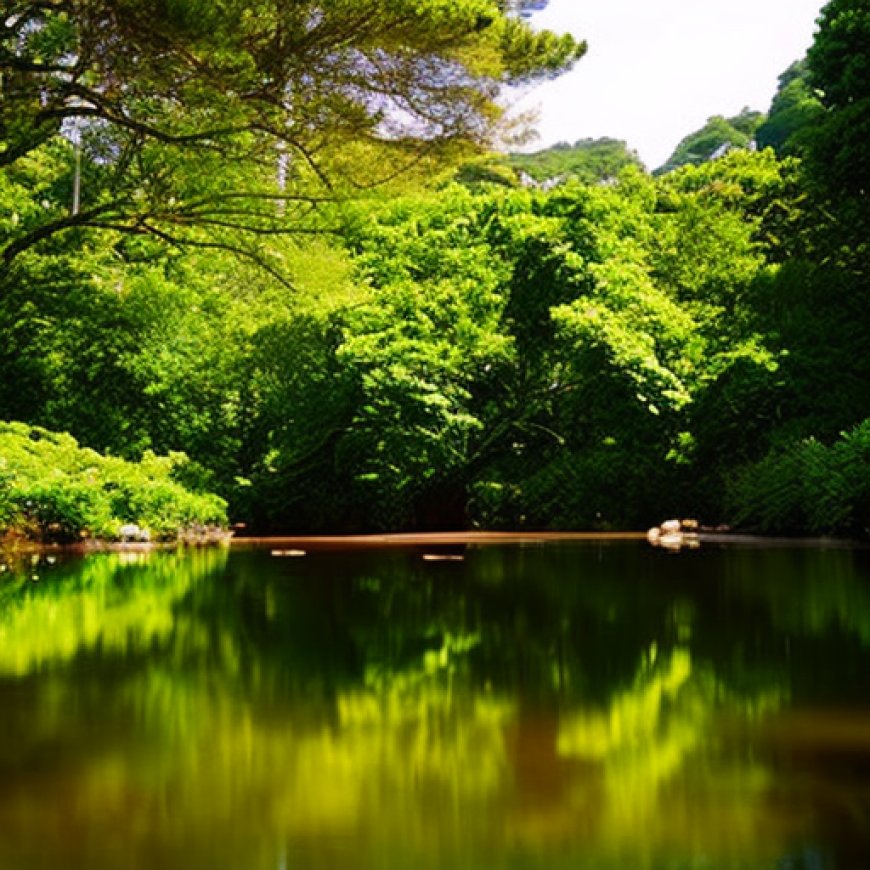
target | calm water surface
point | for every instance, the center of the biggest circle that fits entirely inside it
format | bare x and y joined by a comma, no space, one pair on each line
583,706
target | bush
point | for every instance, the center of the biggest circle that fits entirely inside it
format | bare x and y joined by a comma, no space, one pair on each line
808,488
53,489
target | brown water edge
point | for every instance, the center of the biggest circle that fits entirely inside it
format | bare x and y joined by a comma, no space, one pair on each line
428,539
491,538
12,545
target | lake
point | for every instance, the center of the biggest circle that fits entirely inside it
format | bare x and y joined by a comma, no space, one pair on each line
560,705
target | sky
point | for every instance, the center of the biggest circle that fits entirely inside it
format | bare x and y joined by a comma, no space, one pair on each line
657,69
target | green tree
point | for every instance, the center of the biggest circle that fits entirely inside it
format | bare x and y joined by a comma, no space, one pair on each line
536,359
52,489
199,122
793,113
419,347
840,72
838,154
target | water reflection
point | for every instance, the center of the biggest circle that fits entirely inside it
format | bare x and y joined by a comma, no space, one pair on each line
117,603
580,706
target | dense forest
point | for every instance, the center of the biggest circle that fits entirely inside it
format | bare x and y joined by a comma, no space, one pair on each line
274,239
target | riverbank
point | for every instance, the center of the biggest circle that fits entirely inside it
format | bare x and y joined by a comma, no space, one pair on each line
16,543
301,545
485,538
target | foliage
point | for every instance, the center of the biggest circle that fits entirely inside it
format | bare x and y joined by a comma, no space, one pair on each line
201,123
808,487
837,152
793,113
816,314
418,351
840,73
580,354
53,489
505,357
524,357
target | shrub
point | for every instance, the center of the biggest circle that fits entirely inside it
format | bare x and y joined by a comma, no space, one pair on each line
808,487
53,489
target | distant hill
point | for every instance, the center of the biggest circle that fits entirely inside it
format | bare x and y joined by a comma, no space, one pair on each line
715,138
588,160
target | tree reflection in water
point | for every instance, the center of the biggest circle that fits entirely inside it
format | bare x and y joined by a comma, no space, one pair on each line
582,706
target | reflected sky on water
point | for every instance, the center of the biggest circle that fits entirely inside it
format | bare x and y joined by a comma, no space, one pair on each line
583,705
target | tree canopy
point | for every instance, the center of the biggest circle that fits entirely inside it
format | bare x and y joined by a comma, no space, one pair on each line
242,115
793,113
839,70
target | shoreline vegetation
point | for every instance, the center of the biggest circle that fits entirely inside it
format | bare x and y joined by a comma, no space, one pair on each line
52,491
58,496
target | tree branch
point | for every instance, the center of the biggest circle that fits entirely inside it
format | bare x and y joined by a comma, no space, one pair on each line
46,231
238,251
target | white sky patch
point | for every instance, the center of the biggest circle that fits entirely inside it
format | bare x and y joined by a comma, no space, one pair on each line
657,69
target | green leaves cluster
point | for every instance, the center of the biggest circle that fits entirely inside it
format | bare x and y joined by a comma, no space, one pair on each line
518,354
52,489
794,111
808,487
504,357
840,72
